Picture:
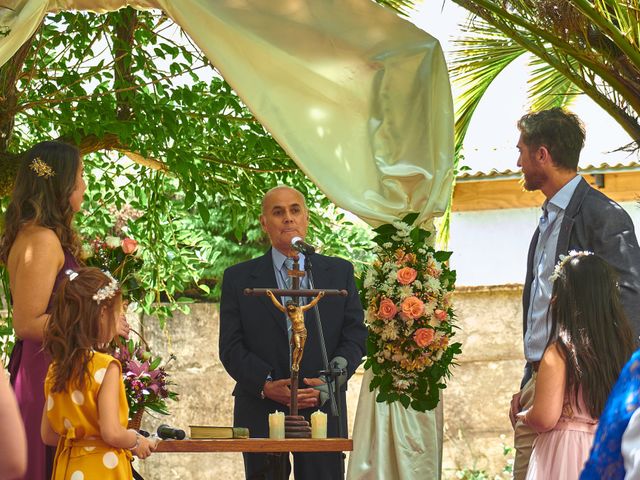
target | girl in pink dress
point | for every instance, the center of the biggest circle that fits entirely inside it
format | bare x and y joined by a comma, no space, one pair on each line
591,341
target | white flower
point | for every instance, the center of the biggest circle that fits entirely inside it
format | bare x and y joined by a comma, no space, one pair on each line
389,332
369,278
558,269
401,384
434,283
387,245
406,291
112,242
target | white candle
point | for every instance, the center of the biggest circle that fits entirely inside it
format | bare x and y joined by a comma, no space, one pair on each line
318,425
276,425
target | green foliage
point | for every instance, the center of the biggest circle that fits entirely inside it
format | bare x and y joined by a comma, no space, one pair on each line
132,84
578,47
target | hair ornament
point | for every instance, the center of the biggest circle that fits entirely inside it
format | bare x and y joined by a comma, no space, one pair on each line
558,270
41,168
108,291
71,274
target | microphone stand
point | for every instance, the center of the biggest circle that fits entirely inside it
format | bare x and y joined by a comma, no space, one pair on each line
331,374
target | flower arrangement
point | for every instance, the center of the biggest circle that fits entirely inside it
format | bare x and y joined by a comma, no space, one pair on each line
407,293
119,256
145,378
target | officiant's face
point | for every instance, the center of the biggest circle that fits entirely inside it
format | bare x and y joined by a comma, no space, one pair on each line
284,216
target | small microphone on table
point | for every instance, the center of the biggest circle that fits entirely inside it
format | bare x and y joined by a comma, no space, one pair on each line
301,246
165,432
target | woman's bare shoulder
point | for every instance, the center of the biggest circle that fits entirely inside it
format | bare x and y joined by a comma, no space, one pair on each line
33,240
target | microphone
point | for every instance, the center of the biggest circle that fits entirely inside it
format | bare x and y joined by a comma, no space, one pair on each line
301,246
165,431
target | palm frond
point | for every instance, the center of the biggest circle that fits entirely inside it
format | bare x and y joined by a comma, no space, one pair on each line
478,58
548,87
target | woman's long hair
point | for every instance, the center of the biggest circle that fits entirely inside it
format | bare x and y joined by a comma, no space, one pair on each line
43,199
74,328
590,328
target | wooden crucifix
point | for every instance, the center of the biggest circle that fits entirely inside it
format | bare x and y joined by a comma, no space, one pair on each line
295,425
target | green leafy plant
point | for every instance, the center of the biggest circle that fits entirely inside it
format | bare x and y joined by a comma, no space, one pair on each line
407,293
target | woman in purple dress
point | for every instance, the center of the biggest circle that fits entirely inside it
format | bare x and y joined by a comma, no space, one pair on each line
38,245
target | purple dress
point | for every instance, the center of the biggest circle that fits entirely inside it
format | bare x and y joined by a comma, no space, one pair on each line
28,368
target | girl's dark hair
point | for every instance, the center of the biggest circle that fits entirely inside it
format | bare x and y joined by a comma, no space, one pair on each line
590,329
43,199
74,330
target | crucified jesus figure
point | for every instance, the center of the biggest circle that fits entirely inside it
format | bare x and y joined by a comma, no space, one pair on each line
295,313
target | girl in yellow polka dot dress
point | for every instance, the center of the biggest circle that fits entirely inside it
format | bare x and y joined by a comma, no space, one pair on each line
86,411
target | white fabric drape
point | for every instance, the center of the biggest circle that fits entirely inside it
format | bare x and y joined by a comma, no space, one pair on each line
390,441
361,100
359,97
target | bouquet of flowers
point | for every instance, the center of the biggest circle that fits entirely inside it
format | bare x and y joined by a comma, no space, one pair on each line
407,293
119,257
145,379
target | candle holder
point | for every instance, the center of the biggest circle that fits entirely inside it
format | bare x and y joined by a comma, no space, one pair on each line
295,426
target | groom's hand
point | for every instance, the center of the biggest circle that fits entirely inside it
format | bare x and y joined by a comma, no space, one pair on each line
515,409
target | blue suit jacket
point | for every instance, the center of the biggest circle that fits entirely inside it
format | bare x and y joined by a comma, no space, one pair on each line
254,341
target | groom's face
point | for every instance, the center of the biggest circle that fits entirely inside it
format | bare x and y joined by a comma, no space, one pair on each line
284,216
533,173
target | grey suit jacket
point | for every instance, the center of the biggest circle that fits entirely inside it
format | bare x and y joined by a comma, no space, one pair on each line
594,222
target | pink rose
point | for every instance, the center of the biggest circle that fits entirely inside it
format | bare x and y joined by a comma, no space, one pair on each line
412,307
129,245
424,337
406,275
440,314
387,309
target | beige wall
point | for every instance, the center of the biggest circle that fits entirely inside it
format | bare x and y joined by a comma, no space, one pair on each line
476,401
489,373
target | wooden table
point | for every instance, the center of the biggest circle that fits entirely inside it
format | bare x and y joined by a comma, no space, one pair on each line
279,448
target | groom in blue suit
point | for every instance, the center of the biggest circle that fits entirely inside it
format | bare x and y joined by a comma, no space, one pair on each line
254,335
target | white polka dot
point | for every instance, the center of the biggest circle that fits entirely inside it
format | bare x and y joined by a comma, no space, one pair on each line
77,475
110,460
67,424
89,449
77,397
99,375
49,403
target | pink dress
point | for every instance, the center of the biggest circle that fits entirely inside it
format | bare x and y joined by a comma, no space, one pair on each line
28,367
562,452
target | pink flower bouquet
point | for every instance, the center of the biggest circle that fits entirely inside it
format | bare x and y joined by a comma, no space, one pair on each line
407,293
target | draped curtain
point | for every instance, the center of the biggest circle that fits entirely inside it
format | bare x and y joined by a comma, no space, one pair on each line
358,97
361,100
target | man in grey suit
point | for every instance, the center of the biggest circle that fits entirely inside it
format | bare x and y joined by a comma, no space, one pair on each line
575,216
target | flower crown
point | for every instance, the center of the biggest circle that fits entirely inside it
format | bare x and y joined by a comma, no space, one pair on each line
108,291
41,168
558,270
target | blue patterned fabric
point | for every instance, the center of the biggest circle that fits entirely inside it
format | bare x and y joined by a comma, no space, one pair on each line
605,461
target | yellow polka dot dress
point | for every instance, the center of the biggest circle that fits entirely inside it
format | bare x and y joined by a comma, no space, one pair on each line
73,414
